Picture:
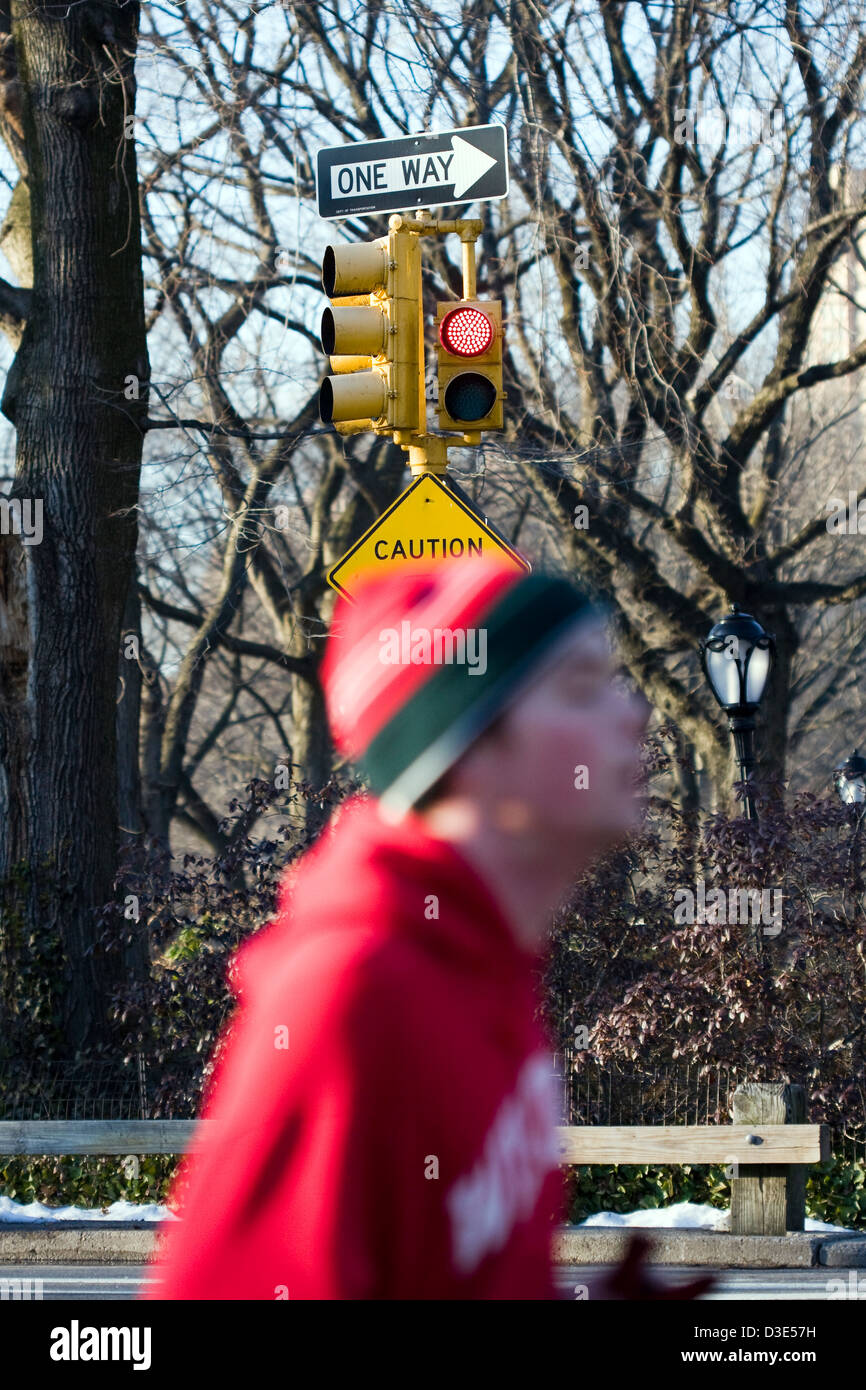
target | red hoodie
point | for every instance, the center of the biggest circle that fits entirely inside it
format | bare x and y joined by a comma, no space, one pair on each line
382,1115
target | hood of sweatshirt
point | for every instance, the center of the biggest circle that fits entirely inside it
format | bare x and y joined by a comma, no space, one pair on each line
407,881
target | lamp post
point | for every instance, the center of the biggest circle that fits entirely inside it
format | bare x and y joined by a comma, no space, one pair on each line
736,658
850,780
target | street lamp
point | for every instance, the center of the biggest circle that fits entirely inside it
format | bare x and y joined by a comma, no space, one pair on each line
850,780
737,657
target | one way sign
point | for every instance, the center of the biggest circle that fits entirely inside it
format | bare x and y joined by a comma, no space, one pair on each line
414,171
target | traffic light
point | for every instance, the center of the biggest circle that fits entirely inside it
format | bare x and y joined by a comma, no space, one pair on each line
470,365
372,335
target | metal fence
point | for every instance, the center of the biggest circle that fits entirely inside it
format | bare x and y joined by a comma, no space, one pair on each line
663,1096
592,1094
99,1089
595,1094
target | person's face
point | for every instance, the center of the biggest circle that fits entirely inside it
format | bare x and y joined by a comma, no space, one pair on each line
565,758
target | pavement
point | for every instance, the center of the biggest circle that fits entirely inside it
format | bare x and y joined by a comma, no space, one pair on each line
76,1242
117,1243
604,1245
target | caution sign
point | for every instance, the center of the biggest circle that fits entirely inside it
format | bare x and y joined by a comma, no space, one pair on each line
427,522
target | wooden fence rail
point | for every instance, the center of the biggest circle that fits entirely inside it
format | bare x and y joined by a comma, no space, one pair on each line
99,1136
755,1145
767,1153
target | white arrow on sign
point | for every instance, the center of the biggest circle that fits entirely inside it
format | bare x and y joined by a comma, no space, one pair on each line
463,165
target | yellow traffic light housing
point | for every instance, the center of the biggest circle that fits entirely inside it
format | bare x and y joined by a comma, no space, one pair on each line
469,336
372,335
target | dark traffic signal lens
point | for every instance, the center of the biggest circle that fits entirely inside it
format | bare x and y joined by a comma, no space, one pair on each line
326,401
470,396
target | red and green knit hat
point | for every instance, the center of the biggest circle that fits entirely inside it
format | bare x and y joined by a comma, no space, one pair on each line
427,657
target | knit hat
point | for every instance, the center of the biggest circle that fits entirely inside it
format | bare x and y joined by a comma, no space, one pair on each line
427,657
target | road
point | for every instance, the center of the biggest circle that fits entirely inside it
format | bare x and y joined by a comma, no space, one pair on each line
118,1282
755,1285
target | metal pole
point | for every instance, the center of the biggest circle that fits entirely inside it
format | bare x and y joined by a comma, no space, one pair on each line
470,282
856,850
743,730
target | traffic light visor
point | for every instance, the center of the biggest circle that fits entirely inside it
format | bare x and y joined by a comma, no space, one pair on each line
356,396
467,332
349,332
354,268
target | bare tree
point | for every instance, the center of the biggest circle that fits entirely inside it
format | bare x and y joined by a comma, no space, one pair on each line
661,274
651,155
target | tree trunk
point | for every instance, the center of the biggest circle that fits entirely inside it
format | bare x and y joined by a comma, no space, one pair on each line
130,823
77,396
772,731
135,954
312,750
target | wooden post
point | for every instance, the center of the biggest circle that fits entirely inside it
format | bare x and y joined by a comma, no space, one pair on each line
768,1200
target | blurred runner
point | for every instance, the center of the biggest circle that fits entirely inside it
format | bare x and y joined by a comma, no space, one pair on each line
383,1109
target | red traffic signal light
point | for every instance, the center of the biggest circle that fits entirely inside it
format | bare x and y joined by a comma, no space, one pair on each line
467,331
470,365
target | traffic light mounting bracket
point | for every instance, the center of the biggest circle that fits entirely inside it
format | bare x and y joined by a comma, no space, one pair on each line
428,453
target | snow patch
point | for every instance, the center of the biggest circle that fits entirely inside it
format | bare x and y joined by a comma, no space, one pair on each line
694,1215
117,1211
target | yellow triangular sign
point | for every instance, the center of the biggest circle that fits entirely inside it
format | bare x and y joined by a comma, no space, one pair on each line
427,522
